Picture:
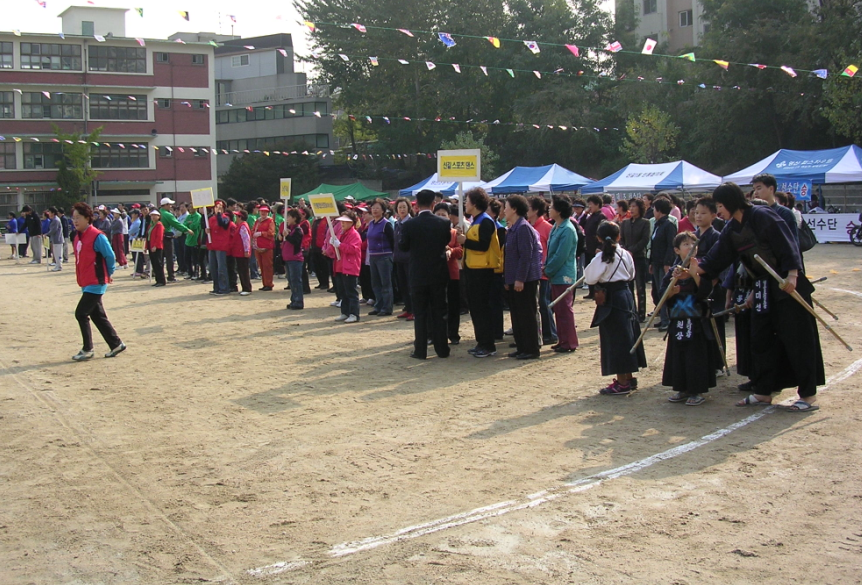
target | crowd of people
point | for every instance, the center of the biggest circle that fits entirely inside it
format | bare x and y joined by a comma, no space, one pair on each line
521,254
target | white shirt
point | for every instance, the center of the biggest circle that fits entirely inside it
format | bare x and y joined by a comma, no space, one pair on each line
598,271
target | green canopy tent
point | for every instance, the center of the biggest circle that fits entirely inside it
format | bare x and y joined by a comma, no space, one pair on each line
341,192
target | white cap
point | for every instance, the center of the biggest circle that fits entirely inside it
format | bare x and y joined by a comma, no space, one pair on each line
155,212
115,210
166,201
102,207
342,218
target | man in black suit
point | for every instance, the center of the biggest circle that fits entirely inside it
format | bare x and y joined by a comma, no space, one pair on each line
426,237
661,253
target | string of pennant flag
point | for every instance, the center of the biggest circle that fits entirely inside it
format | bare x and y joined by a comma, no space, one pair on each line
448,39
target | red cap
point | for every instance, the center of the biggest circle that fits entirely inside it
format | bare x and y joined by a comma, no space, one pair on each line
264,208
136,205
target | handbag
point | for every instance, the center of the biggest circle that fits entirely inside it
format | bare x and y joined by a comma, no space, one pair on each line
600,293
807,239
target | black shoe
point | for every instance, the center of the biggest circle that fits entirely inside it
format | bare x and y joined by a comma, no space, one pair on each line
159,284
264,288
747,387
374,312
119,349
559,349
482,353
330,289
555,346
454,341
416,357
662,327
172,280
527,356
513,354
548,340
445,355
473,350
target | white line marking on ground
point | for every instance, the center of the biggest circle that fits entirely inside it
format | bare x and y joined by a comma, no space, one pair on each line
537,498
849,292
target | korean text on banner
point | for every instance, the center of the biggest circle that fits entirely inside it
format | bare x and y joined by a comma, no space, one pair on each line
832,227
801,190
323,205
203,197
285,189
459,165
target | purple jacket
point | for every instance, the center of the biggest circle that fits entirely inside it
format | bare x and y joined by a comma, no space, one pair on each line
380,237
523,259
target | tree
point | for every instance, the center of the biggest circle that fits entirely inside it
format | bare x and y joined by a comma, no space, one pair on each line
466,140
74,174
256,175
650,137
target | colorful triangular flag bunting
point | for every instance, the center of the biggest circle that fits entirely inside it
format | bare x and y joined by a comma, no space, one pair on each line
723,64
614,47
574,50
494,41
533,46
788,70
649,45
689,56
406,32
184,14
850,71
446,39
359,27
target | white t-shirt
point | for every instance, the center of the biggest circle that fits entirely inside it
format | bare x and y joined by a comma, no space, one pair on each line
622,268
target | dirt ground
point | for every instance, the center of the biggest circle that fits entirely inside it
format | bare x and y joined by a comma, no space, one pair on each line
238,442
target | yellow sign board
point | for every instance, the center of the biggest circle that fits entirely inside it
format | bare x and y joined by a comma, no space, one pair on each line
285,189
459,165
323,205
203,197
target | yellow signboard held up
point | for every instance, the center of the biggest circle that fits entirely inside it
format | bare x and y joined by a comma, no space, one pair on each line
323,205
285,190
459,165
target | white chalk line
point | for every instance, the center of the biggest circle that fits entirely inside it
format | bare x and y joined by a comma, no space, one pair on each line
849,292
538,498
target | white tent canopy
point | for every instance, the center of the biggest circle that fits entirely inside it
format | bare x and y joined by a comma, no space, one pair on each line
820,167
656,177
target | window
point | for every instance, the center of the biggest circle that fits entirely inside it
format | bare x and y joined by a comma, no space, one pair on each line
60,106
7,156
650,6
42,155
198,60
88,29
199,104
6,55
118,107
163,103
51,56
200,152
165,152
116,157
239,61
221,117
685,18
118,59
163,58
7,104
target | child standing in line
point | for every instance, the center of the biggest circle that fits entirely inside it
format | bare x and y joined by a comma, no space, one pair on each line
689,365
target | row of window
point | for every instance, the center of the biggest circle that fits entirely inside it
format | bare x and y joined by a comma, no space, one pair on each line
271,142
278,112
69,106
66,57
685,16
47,155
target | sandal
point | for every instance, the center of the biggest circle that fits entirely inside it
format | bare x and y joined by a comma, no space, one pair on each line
801,406
751,400
678,397
695,400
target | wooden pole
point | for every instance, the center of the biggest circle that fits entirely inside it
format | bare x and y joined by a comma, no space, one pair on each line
566,292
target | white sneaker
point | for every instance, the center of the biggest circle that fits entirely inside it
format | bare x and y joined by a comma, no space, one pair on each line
56,269
370,302
244,293
352,319
342,317
335,304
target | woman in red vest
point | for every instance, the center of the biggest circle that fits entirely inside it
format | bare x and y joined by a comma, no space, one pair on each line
264,243
94,264
156,247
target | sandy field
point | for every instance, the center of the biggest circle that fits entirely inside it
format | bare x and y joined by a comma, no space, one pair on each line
237,442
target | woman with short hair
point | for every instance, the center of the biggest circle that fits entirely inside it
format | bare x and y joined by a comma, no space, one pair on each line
404,211
561,271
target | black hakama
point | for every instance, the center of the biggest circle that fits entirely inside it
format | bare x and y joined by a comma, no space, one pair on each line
618,330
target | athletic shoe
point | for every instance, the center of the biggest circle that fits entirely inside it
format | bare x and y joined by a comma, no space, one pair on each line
509,331
370,302
341,317
244,293
83,355
335,304
117,350
56,269
352,319
481,353
221,294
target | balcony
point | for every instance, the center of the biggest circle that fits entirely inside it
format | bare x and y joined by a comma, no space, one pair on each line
273,94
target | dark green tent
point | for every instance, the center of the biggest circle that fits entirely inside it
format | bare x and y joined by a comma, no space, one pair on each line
341,192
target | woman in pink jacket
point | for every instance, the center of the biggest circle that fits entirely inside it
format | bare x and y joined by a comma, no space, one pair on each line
349,245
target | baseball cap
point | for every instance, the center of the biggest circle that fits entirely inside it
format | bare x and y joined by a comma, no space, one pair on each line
155,212
166,201
136,205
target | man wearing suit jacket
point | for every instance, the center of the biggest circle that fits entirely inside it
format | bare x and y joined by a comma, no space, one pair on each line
425,237
661,253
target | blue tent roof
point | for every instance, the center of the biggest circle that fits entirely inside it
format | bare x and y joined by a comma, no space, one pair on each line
533,179
835,165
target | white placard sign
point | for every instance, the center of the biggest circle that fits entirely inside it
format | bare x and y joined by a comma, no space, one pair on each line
831,227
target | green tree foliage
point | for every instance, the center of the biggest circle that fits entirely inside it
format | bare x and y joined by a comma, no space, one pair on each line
466,140
257,175
650,137
840,44
74,174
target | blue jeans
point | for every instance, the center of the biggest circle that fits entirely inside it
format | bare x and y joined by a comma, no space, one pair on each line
381,282
294,279
218,271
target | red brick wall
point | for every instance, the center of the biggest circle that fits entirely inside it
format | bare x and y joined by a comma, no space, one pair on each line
180,72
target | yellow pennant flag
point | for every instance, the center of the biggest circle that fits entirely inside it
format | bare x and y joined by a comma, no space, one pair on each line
723,64
494,41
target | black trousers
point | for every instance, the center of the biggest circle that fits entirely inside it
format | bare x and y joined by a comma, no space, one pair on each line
480,286
203,261
244,273
90,307
168,255
498,291
638,285
306,286
320,264
180,248
453,309
403,286
429,308
156,265
524,311
365,282
231,274
191,259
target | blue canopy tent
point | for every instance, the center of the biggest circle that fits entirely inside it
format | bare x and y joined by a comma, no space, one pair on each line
535,179
657,177
797,170
447,188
